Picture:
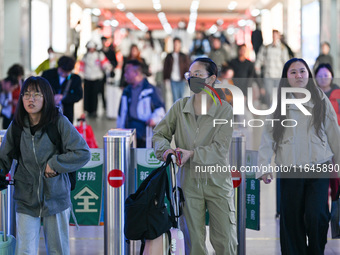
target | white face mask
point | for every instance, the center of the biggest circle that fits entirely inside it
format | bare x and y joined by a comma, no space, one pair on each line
51,56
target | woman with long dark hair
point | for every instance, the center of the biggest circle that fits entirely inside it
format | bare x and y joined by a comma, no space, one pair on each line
42,184
304,151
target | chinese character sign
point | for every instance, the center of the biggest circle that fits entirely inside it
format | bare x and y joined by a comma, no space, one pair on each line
87,196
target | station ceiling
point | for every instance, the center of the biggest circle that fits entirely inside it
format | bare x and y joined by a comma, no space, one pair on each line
208,12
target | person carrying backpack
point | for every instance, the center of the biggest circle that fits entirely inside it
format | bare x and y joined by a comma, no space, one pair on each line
42,184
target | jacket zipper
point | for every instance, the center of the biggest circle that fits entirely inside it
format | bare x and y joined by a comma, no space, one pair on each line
38,191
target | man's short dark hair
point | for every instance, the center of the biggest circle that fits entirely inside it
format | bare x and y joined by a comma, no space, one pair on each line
16,70
326,43
12,80
141,67
177,39
66,63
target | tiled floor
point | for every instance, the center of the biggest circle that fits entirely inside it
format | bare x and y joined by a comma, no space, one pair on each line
89,240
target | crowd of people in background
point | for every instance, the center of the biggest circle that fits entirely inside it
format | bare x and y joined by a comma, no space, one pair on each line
10,92
164,62
251,67
151,69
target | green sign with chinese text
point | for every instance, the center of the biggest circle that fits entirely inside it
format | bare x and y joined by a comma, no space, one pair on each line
146,163
87,196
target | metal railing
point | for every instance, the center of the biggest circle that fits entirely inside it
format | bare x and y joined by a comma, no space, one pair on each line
237,159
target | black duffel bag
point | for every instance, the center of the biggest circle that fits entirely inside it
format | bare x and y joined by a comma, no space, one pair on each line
146,216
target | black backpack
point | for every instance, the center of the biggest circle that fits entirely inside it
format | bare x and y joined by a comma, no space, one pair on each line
146,216
53,134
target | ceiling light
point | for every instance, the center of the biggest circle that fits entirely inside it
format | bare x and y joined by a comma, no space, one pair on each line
230,30
213,29
114,23
193,16
121,6
107,23
232,5
115,1
181,24
157,7
96,12
143,27
130,15
249,22
242,22
191,27
161,16
255,12
136,22
194,5
219,22
166,26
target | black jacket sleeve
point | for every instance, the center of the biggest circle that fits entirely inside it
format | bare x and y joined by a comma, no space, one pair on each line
76,91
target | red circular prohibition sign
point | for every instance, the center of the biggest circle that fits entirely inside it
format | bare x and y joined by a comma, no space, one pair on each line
236,178
116,178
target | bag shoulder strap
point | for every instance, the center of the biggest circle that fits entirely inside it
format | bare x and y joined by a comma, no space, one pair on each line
145,183
16,134
168,192
54,135
169,197
68,85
